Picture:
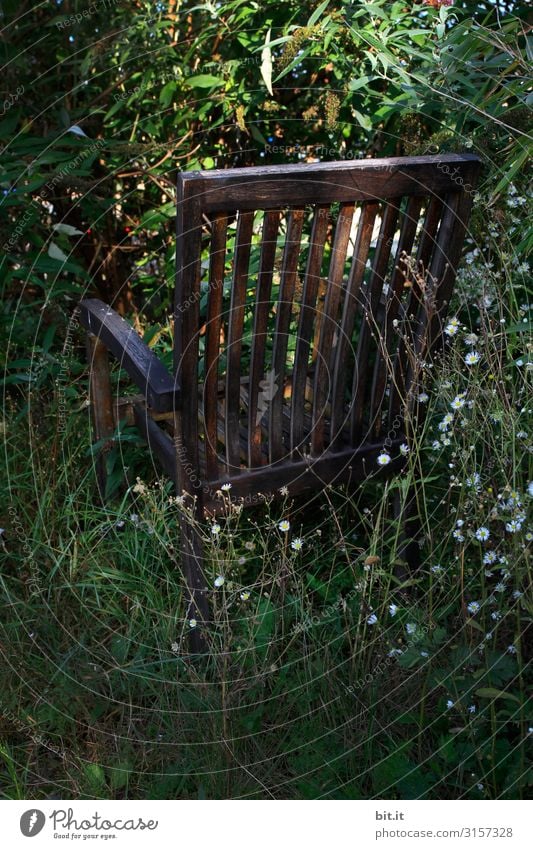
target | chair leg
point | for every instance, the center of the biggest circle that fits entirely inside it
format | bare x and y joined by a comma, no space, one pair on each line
192,566
101,400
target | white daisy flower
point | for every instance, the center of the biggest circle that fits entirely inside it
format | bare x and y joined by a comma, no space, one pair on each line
225,487
410,627
384,459
393,609
244,596
449,704
513,526
404,449
284,526
219,581
372,619
284,490
423,398
472,709
215,529
482,534
473,607
192,623
472,358
458,402
297,544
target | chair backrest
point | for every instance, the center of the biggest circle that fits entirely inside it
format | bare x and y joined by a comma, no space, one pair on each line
291,281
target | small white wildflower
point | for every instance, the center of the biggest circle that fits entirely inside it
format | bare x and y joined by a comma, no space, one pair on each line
219,581
410,627
490,557
192,623
482,534
284,490
472,708
473,607
495,615
284,526
517,594
424,654
225,487
470,340
297,544
384,459
460,523
435,445
134,518
458,403
244,596
393,609
423,398
499,588
215,529
511,649
530,489
513,526
174,647
458,536
479,786
449,704
472,358
451,329
404,449
473,481
372,619
437,568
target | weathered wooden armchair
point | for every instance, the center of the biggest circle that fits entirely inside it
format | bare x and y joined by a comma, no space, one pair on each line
302,292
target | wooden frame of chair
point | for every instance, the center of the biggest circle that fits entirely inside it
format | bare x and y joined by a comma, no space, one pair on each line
351,376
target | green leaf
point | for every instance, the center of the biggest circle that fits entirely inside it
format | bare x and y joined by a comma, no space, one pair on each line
67,230
492,693
204,81
167,93
55,252
316,14
266,64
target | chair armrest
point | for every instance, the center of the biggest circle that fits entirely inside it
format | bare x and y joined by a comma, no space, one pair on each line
134,355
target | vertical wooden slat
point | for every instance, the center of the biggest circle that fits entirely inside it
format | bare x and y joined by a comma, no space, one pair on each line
241,263
360,256
414,320
186,318
429,230
305,324
261,310
382,365
375,328
217,258
446,257
281,333
323,376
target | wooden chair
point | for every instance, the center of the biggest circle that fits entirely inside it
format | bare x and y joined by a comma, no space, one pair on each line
305,295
